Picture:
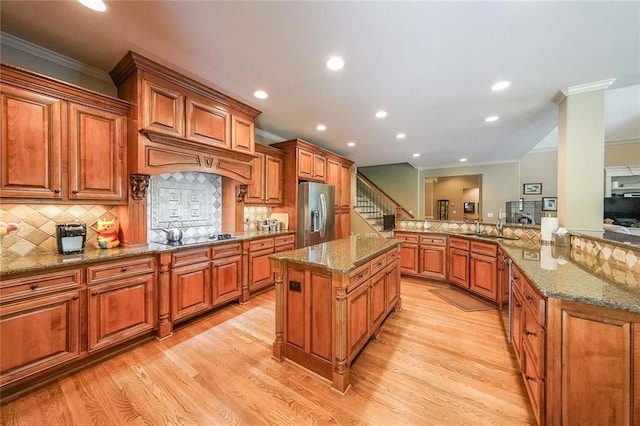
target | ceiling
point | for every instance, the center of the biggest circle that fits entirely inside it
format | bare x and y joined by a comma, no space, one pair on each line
430,65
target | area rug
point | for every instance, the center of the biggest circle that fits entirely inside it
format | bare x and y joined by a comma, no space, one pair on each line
461,300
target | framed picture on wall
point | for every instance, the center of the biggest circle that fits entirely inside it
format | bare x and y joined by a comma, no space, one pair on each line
549,204
532,189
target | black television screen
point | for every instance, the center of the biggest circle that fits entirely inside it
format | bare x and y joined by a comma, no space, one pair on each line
623,210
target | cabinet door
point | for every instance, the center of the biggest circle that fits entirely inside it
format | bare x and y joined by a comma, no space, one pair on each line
260,274
190,290
273,167
38,334
163,109
483,275
345,187
333,178
459,267
305,164
255,191
343,224
535,385
319,168
409,258
393,284
208,124
226,279
433,262
378,299
596,370
120,310
96,154
242,134
357,319
31,150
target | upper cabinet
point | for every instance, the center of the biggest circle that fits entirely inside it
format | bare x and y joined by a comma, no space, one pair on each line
266,185
60,142
311,166
184,125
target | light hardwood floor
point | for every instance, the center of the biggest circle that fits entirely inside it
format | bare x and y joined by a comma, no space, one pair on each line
431,364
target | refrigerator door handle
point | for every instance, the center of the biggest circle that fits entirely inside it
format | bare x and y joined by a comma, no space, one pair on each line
323,215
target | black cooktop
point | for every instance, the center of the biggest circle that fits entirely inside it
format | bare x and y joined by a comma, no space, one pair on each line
197,240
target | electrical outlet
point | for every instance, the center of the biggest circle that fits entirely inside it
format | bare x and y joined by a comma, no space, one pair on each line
489,214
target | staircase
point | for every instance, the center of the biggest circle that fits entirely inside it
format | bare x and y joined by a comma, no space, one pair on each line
372,204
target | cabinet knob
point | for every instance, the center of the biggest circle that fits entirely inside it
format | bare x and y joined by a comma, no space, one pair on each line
530,378
518,304
123,270
529,333
34,286
528,298
75,191
56,191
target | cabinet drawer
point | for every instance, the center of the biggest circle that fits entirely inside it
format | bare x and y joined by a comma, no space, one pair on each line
433,240
358,276
533,383
392,255
280,249
518,279
189,257
261,244
378,263
40,284
484,248
535,302
459,243
285,239
115,270
224,250
407,238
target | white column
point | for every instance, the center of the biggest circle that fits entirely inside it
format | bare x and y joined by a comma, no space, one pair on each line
581,158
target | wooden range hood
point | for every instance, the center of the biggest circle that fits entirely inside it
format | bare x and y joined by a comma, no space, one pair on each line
178,124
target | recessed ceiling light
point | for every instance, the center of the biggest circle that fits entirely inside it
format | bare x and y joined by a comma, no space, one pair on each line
260,94
401,136
335,63
97,5
416,155
381,114
501,85
462,160
351,144
321,127
491,118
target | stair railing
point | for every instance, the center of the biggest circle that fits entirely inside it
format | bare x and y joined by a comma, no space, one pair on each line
373,198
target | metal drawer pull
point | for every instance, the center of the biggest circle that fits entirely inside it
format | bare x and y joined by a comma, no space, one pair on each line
123,270
530,378
34,286
528,298
529,333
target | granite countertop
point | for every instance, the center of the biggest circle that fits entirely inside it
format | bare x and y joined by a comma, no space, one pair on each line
341,255
13,264
552,272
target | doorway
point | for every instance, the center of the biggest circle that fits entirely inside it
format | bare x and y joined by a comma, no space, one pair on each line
464,195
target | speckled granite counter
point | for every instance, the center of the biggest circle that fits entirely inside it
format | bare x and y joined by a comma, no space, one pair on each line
568,281
339,255
12,264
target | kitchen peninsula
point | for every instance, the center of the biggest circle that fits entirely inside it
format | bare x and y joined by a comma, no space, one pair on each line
330,299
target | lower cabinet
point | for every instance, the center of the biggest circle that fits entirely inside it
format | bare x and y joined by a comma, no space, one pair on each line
408,253
377,299
592,365
38,333
433,262
226,279
358,318
190,283
393,284
459,267
483,275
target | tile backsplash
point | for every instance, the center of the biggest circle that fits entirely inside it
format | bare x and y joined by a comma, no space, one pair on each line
190,201
37,224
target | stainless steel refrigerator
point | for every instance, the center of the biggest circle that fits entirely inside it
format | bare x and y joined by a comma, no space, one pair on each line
316,219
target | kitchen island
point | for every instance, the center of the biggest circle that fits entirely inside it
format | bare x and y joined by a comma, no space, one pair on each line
330,299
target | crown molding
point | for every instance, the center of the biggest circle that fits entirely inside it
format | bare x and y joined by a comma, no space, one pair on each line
54,57
583,88
486,163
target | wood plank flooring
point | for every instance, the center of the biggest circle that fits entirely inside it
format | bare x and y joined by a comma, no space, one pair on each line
431,364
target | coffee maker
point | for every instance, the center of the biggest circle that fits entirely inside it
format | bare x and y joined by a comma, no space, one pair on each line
71,237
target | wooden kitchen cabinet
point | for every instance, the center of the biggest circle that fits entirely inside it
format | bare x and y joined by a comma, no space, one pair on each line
393,284
162,107
339,175
207,122
260,274
590,365
242,134
358,319
311,166
31,144
121,301
38,333
226,272
267,185
96,154
190,283
459,267
60,142
433,257
408,253
483,273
